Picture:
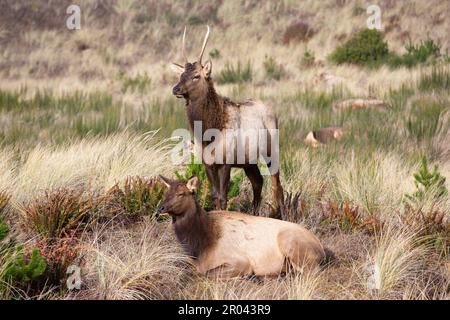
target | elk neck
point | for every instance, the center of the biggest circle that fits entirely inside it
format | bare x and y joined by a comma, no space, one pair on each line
195,230
209,108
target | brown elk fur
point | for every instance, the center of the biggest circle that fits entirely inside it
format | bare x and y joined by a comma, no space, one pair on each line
196,231
209,108
203,104
228,244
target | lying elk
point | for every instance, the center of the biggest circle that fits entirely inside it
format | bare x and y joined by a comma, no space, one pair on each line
219,113
228,244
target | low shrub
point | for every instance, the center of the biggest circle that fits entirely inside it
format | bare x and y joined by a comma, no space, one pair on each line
204,191
366,47
297,31
204,197
350,217
139,196
57,213
19,266
428,182
422,210
22,269
59,254
416,54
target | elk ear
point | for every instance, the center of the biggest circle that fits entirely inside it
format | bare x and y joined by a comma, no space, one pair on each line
166,181
178,69
207,68
193,184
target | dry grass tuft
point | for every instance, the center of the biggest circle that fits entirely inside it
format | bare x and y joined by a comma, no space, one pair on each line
397,260
143,263
92,163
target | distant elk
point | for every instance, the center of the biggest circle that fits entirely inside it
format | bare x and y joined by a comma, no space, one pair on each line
226,244
217,112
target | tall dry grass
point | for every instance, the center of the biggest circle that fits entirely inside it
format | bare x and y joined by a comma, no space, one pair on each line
398,259
143,263
92,163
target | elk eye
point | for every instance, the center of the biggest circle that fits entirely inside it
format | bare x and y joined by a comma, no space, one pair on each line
195,78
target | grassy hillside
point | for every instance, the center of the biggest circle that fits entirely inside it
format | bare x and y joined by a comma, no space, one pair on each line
86,117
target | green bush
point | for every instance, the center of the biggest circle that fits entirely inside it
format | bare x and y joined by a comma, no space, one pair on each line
367,47
138,197
273,69
23,270
238,74
416,54
204,191
427,181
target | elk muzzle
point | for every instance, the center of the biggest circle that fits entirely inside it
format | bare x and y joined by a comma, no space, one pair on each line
161,211
176,91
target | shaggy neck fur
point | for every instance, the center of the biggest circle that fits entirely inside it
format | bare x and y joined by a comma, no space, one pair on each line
209,108
195,230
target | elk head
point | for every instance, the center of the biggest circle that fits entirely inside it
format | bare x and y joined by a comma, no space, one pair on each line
194,77
179,197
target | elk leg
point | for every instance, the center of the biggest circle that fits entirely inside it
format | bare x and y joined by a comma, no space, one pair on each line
237,268
224,173
257,181
212,174
278,196
299,254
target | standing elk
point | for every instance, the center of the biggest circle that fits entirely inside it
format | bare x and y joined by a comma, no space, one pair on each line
220,113
229,244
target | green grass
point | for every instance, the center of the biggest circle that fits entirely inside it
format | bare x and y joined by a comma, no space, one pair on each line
416,54
49,118
368,48
139,83
437,80
423,120
236,74
273,69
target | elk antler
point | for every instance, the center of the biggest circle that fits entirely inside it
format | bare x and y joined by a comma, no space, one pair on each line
204,45
183,49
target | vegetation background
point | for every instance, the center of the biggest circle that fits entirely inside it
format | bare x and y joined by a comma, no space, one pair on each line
86,116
